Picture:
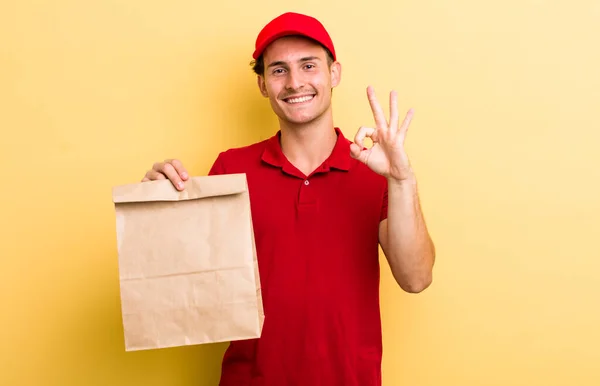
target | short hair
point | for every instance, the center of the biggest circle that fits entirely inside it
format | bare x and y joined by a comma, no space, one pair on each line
258,65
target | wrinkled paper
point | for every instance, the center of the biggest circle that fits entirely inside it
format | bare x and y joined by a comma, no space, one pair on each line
187,262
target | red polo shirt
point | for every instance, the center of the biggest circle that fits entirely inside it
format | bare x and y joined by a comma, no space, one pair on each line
317,249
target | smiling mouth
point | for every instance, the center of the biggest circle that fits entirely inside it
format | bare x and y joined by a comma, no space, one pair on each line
301,99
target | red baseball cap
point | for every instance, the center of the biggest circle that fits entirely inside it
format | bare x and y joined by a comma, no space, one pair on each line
292,23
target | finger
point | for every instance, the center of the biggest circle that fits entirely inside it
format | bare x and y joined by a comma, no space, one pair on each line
363,132
169,171
406,123
393,110
183,174
378,114
153,175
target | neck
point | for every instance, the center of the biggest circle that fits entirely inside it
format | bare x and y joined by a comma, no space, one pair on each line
307,146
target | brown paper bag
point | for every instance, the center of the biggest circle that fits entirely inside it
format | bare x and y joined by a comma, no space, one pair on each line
187,262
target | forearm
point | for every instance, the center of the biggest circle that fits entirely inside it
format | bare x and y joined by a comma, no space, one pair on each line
410,250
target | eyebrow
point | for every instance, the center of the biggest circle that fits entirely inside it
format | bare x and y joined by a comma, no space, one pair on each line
282,63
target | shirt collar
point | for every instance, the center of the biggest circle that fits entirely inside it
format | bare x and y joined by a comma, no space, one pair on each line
338,159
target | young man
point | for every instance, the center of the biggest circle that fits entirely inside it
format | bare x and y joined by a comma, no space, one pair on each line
321,206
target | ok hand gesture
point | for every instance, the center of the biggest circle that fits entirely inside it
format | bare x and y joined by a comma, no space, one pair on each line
387,156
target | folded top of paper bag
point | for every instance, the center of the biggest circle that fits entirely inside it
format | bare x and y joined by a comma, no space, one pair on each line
195,188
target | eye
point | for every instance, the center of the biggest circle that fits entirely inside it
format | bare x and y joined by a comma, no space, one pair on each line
278,71
309,66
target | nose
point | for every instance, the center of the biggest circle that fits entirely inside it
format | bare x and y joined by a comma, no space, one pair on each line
294,80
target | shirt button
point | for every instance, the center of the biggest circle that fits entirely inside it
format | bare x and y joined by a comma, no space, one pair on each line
306,182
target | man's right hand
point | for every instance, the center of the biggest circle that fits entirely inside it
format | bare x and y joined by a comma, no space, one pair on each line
171,169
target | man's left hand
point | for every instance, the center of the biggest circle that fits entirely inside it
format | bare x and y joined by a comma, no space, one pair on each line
387,156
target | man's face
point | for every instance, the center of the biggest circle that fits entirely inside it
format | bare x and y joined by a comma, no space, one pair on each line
297,79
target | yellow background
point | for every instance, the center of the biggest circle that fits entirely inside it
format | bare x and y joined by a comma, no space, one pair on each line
507,99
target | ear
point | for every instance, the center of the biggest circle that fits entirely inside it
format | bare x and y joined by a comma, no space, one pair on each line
336,73
260,80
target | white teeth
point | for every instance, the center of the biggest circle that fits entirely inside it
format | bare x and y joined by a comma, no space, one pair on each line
299,100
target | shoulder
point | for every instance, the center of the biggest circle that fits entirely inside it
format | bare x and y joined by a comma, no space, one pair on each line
237,159
244,153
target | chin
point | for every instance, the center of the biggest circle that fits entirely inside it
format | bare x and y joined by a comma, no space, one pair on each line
299,120
297,115
305,117
302,119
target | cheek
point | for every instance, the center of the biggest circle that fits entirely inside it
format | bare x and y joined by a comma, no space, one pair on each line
322,83
273,89
323,90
